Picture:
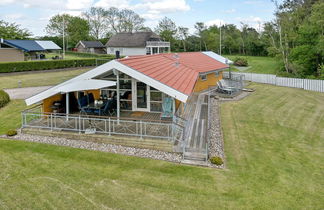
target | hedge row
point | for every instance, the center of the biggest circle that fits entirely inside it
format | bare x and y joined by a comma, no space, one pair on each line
90,55
4,98
45,65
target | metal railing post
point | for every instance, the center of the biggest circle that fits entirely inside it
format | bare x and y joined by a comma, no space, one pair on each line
79,124
141,129
51,117
109,126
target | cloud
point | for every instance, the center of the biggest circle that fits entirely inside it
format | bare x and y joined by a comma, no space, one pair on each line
6,2
121,4
78,4
217,22
229,11
253,2
163,6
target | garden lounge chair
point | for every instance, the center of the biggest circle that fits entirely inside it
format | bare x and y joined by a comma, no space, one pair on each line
107,108
225,90
83,103
167,112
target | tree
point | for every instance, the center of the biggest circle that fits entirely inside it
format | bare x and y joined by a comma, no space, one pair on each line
13,31
200,27
183,33
75,28
97,19
167,30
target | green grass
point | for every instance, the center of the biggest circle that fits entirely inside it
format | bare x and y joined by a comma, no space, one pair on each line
274,150
259,64
10,117
42,78
66,57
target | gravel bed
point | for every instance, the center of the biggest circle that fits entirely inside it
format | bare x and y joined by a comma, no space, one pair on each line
216,145
112,148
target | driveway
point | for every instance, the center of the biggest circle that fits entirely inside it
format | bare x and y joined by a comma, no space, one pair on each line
23,93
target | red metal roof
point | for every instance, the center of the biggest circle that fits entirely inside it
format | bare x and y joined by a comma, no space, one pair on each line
176,70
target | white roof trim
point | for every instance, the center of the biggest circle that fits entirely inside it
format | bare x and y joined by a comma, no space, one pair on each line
218,57
88,84
103,69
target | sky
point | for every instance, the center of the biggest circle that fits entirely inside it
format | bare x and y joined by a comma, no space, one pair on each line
35,14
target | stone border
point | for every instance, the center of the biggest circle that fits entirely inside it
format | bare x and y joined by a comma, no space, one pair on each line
111,148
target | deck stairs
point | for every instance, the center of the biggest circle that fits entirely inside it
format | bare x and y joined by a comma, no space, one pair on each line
195,147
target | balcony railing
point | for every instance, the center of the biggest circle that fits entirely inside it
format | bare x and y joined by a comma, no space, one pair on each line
157,44
163,130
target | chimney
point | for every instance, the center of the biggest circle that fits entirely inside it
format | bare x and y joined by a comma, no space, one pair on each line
117,54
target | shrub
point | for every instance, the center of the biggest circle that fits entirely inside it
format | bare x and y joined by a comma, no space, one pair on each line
216,160
240,62
11,132
4,98
45,65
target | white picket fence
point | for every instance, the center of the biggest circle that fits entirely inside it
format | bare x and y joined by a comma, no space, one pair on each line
306,84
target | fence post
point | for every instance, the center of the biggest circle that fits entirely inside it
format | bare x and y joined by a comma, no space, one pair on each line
141,129
51,121
79,124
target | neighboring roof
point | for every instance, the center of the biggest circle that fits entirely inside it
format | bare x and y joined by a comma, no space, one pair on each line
137,39
181,76
218,57
91,44
48,45
173,74
31,45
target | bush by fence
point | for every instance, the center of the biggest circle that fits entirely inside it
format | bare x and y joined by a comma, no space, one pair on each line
4,98
45,65
90,55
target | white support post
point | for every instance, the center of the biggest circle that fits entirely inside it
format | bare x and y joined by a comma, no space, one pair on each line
158,50
173,106
151,49
118,96
67,107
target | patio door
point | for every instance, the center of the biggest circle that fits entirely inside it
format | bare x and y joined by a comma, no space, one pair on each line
141,96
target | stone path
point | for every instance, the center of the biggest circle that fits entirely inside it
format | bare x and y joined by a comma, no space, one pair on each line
23,93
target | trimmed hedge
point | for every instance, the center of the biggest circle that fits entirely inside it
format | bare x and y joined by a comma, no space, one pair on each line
4,98
90,55
45,65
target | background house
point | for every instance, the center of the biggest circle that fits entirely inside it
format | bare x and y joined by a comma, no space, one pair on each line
90,47
139,43
20,50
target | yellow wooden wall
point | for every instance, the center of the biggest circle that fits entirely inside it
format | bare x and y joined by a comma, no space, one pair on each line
48,102
211,80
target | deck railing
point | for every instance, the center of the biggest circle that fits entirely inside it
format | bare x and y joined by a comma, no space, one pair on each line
164,130
157,44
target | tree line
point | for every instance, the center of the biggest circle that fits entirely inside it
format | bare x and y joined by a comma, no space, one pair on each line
295,36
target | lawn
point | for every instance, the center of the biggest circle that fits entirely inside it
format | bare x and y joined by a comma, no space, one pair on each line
42,78
259,64
67,57
274,149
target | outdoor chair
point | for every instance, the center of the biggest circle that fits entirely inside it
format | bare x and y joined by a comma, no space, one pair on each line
107,109
83,103
225,90
167,108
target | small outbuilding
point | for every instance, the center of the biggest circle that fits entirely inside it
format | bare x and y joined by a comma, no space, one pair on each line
90,47
20,50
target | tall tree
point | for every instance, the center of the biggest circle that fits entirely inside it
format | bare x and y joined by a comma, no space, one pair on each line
183,33
200,29
13,31
167,30
97,18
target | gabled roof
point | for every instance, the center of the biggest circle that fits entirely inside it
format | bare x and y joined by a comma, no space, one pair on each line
91,44
179,71
173,74
32,45
137,39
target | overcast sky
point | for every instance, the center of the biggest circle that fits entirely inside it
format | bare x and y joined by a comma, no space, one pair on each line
34,14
